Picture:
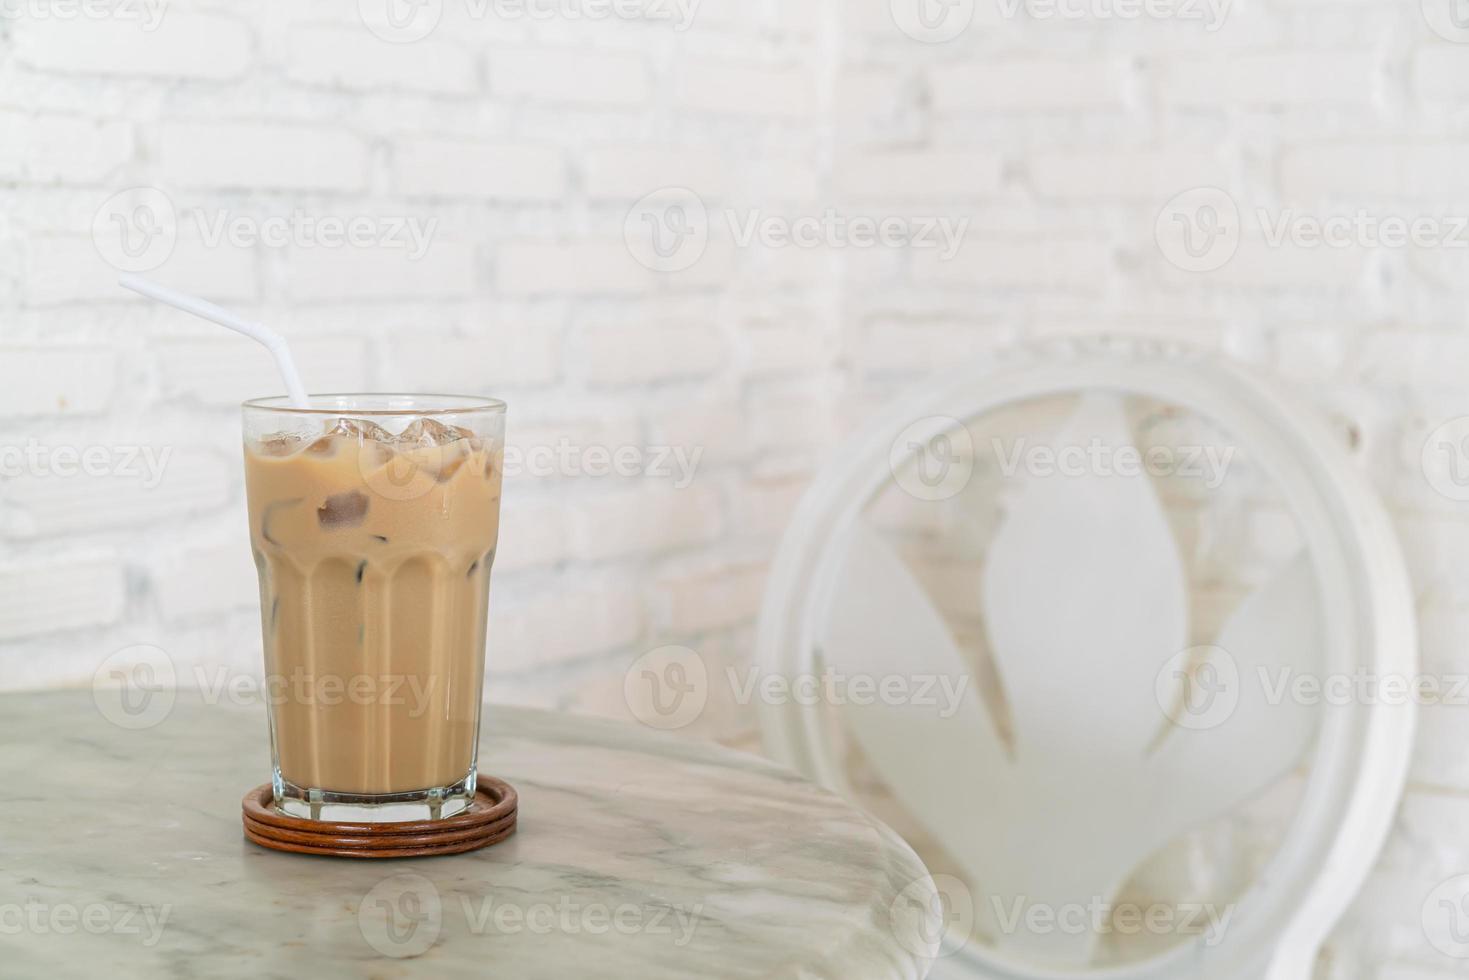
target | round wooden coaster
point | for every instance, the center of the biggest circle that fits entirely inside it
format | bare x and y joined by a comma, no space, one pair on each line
325,850
384,841
489,819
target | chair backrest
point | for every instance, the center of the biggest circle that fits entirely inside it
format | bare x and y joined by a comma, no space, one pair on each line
1115,732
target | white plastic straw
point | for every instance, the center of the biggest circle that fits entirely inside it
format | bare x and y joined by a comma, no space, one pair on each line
273,341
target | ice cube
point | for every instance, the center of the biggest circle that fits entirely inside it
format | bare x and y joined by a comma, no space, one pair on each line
433,448
454,458
324,446
269,515
426,433
358,431
364,429
279,444
343,510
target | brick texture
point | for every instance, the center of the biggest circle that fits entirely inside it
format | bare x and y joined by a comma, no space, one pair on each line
521,146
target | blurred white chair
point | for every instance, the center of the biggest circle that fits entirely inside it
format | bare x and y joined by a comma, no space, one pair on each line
1122,738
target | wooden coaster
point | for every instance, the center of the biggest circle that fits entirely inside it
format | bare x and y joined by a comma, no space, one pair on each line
489,819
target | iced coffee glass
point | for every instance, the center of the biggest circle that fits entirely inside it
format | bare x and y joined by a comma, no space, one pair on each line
374,520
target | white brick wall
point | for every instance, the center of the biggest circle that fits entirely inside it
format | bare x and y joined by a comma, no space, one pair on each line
747,89
906,175
62,149
1408,168
570,75
262,156
587,267
1291,78
456,168
525,142
641,522
622,353
627,172
184,45
345,56
1028,85
1085,174
57,380
84,589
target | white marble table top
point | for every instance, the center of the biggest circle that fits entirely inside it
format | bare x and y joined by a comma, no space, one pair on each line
639,855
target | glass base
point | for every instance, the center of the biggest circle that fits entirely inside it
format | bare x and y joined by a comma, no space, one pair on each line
436,803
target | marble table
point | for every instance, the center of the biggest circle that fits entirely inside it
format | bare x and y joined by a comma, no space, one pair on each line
639,855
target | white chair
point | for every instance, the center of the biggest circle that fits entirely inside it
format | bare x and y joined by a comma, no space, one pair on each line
1111,748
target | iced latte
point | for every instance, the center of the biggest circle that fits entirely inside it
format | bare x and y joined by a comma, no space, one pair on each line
374,521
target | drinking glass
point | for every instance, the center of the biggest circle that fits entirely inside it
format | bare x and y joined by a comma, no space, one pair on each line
374,520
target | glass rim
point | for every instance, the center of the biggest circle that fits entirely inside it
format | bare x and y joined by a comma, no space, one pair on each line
379,404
